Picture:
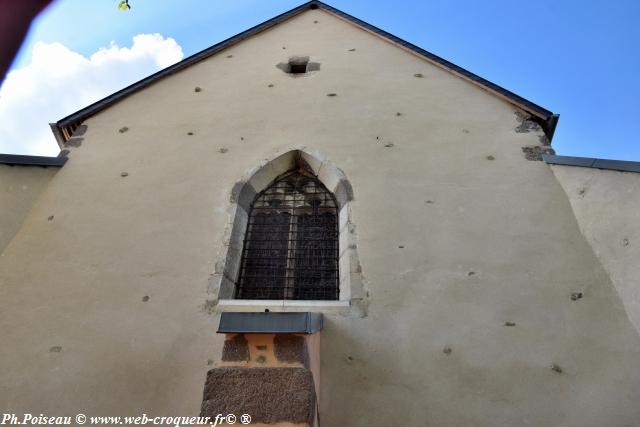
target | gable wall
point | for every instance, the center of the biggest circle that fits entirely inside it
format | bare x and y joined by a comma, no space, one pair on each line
452,245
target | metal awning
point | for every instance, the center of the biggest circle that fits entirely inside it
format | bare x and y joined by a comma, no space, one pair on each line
270,323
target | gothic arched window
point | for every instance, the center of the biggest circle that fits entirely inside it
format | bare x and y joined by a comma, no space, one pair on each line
291,244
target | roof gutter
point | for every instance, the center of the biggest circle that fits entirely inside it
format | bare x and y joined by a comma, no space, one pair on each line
22,160
590,162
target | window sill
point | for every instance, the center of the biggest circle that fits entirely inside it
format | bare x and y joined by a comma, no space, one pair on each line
227,305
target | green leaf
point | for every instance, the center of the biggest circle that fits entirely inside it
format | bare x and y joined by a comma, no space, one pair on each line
124,5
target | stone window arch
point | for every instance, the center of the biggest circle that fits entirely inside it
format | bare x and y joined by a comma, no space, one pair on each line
228,283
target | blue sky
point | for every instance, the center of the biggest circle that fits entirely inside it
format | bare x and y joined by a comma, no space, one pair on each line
580,59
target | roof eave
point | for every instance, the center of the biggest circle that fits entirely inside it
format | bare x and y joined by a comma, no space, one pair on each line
25,160
591,162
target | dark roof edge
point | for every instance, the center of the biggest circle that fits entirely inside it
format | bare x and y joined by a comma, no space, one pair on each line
589,162
550,125
22,160
546,118
57,133
197,57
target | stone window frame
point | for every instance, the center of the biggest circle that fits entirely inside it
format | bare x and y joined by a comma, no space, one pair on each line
227,268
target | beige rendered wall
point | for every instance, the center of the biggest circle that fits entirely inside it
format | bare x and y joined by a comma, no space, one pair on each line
452,245
607,206
20,186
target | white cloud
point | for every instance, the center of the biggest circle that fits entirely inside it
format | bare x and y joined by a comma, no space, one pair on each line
59,81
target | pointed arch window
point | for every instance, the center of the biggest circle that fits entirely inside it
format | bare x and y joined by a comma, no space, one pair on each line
291,245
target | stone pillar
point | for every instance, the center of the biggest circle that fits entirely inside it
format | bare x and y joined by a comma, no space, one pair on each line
269,369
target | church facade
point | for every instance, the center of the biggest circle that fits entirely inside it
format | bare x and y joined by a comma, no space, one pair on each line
451,270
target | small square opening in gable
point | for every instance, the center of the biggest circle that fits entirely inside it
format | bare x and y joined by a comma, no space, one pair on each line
298,67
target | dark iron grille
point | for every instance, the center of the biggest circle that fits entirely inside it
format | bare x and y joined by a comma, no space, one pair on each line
291,245
316,258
